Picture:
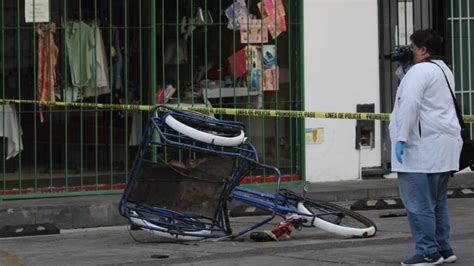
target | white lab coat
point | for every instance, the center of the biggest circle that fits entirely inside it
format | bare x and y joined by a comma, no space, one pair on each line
425,118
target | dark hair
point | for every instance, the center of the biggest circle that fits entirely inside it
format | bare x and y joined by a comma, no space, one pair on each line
430,39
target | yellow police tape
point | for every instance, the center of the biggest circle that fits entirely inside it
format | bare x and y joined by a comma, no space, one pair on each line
225,111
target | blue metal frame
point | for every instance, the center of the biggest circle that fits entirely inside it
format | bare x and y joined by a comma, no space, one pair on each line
177,224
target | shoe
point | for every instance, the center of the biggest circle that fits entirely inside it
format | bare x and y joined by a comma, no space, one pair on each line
448,256
419,260
264,236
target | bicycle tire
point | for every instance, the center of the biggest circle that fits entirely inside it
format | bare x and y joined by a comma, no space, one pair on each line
222,130
342,222
203,136
167,232
290,196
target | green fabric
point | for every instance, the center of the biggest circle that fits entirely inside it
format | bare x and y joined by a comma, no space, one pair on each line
80,40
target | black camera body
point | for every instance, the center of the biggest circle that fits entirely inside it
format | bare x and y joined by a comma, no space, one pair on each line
402,53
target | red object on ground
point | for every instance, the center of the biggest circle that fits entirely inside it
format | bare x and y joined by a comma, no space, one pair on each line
282,229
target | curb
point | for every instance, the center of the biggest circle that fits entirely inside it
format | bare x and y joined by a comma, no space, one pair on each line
396,203
97,211
381,204
65,213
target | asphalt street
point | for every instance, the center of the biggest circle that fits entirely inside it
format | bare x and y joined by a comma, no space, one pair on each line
115,245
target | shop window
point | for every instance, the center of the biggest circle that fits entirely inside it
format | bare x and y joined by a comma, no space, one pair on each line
229,54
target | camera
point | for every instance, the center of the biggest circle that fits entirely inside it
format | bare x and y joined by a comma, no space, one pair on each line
401,53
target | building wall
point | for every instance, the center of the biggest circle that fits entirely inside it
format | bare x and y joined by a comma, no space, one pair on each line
341,71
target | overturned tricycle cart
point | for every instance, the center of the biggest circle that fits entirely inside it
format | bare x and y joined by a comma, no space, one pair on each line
189,167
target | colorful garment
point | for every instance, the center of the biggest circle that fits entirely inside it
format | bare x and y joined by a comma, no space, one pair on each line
80,39
86,52
47,59
98,84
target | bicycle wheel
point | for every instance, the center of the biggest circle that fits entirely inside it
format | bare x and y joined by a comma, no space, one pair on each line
336,219
204,136
209,124
167,227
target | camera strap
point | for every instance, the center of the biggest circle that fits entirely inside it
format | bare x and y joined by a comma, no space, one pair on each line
458,110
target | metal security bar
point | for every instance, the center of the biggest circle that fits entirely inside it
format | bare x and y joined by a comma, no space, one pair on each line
212,54
226,53
460,27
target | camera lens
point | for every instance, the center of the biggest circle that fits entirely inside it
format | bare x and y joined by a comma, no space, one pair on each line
403,53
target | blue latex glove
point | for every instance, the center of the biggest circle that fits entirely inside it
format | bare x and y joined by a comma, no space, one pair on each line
399,150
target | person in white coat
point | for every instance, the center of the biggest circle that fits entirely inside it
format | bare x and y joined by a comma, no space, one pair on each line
426,146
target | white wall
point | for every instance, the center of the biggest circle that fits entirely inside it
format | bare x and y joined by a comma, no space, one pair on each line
341,71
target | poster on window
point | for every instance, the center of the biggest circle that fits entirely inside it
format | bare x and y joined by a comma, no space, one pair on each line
254,56
253,31
36,11
270,10
271,79
269,56
237,63
236,13
314,135
255,79
276,27
254,64
271,71
273,19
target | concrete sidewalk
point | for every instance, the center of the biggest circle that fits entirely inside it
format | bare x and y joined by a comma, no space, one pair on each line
94,211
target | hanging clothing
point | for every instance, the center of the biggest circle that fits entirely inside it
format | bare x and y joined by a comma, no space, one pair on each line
136,130
80,39
118,92
86,52
99,84
10,129
117,61
47,60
